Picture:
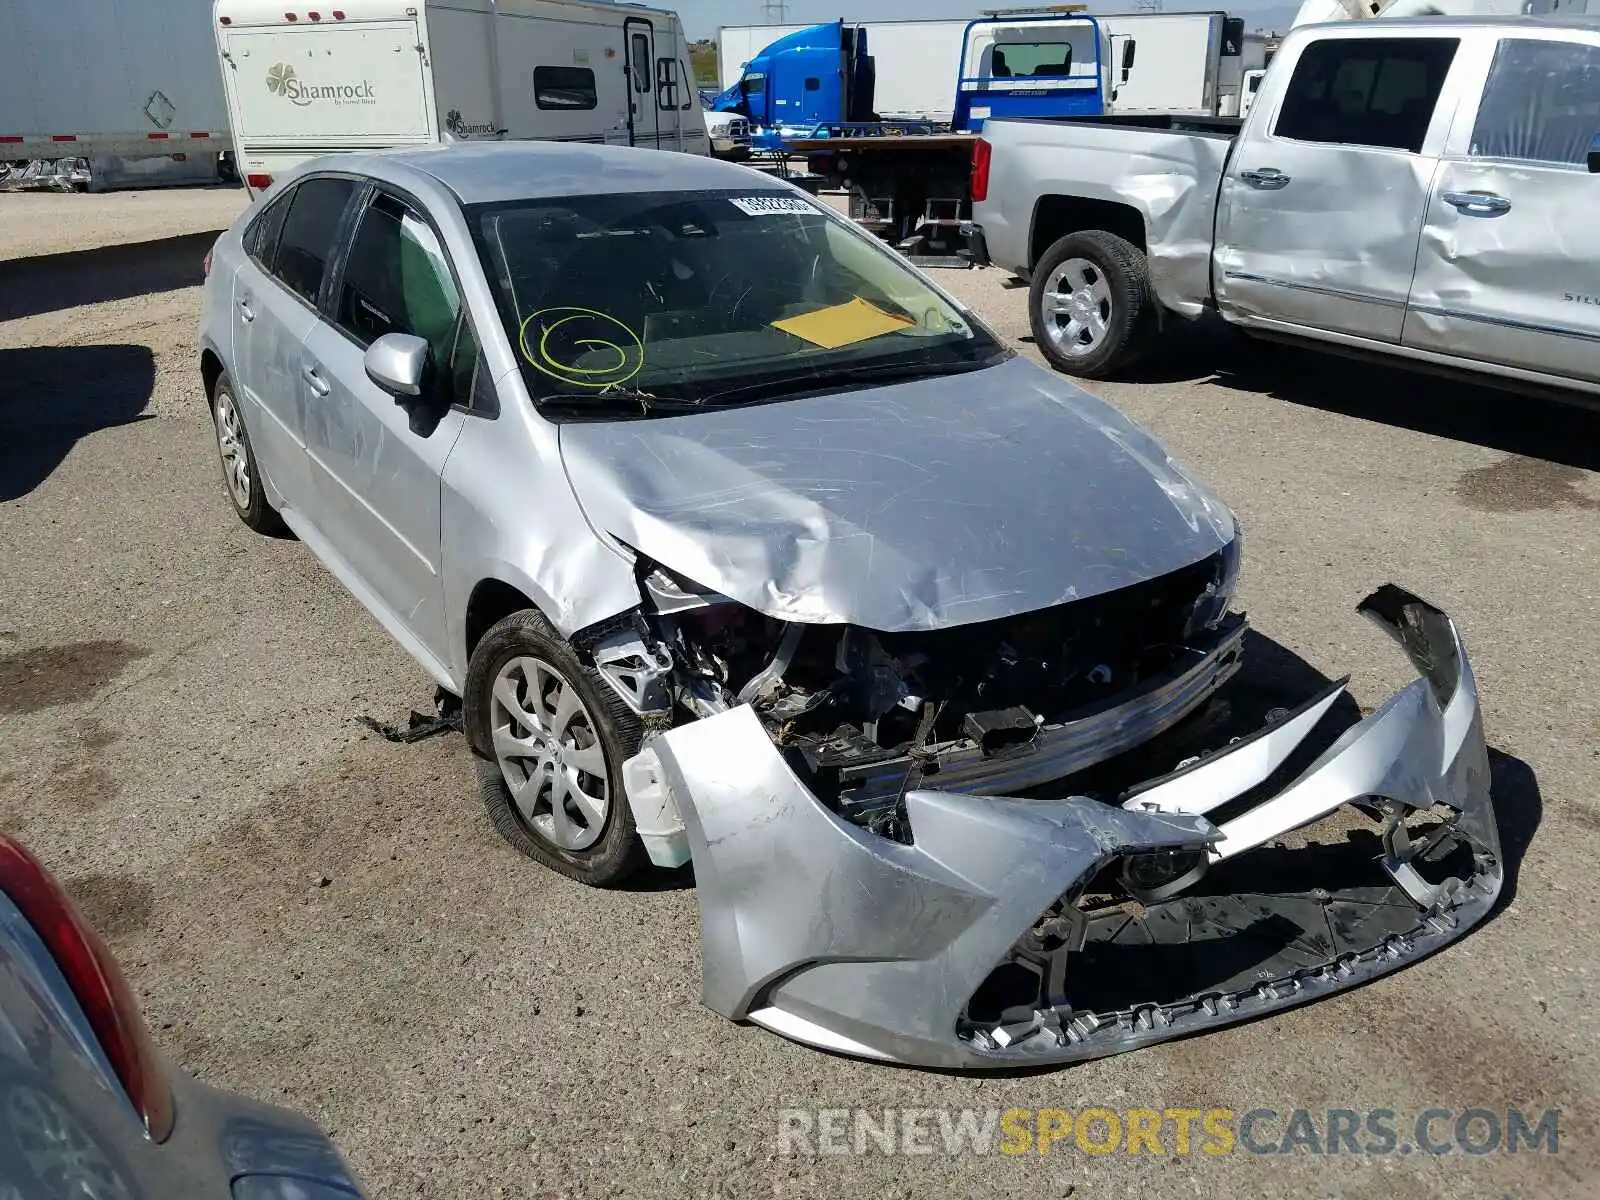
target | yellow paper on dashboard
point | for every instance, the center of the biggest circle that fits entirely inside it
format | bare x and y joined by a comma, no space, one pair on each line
843,324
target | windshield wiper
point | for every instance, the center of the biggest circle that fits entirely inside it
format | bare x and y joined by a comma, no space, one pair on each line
832,377
615,402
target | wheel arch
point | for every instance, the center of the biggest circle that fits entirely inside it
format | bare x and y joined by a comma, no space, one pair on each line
1054,217
211,370
491,601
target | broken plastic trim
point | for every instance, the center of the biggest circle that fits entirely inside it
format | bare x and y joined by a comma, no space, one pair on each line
823,931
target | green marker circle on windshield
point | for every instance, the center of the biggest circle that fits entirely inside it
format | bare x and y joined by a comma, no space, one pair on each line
569,335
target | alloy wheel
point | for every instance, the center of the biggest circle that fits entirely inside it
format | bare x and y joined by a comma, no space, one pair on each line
1076,307
548,746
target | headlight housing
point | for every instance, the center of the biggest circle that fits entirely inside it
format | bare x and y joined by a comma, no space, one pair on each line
1212,604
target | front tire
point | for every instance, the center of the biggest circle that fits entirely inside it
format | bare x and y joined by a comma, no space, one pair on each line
549,738
1090,304
241,476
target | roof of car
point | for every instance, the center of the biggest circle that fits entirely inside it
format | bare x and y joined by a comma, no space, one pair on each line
492,172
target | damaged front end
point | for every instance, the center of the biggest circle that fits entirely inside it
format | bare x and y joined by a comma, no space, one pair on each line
879,874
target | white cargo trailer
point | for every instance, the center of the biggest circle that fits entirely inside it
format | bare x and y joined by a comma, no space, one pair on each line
130,86
303,81
1187,64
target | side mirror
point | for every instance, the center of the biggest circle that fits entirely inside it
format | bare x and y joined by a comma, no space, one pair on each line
1594,155
398,363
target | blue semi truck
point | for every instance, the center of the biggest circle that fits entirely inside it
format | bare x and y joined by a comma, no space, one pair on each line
811,93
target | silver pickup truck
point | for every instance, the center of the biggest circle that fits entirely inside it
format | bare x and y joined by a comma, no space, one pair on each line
1423,189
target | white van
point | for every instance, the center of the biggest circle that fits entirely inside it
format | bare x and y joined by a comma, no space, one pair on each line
303,81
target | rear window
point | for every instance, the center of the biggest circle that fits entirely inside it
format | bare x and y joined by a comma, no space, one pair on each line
306,243
1366,92
1032,60
570,88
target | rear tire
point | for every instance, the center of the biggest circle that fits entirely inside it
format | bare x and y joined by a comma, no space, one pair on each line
1090,304
549,738
241,474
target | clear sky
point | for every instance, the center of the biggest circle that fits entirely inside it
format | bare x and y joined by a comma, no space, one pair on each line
702,18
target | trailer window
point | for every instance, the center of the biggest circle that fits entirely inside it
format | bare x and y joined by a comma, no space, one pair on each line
308,232
1366,92
641,62
564,88
1541,104
1031,60
666,83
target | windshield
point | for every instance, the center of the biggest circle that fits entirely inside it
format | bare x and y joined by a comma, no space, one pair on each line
691,295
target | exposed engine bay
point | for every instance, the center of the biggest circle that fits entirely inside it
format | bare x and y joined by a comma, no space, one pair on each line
865,716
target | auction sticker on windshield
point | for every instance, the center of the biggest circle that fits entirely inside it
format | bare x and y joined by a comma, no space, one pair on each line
765,206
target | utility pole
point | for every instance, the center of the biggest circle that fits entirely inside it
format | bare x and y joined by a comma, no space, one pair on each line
1147,6
774,12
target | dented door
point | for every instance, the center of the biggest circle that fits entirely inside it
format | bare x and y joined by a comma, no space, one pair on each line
1505,269
1322,202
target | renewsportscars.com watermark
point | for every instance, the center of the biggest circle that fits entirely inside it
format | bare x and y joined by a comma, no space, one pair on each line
1178,1131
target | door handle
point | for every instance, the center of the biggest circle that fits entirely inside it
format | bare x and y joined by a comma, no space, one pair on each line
1477,204
1268,179
319,385
246,313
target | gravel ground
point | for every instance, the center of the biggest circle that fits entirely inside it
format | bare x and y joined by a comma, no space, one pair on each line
314,916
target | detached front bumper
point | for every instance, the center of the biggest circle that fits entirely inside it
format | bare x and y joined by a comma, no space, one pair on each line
1017,931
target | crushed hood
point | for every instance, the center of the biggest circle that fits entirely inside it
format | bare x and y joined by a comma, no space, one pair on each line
911,506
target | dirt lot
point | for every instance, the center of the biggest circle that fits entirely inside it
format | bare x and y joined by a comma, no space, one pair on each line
318,917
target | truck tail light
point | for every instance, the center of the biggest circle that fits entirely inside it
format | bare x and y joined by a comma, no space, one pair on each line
258,182
96,981
205,266
982,153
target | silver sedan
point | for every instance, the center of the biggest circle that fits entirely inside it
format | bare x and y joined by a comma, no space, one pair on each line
739,542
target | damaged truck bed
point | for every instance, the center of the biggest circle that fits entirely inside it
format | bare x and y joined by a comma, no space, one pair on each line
938,918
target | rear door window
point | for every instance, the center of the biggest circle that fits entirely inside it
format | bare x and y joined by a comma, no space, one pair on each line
1366,91
261,239
1541,104
309,228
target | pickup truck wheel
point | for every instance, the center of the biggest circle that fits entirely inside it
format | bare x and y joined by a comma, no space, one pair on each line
550,737
1090,304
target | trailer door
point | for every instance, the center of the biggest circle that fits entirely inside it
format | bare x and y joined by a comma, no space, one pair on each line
352,85
644,117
